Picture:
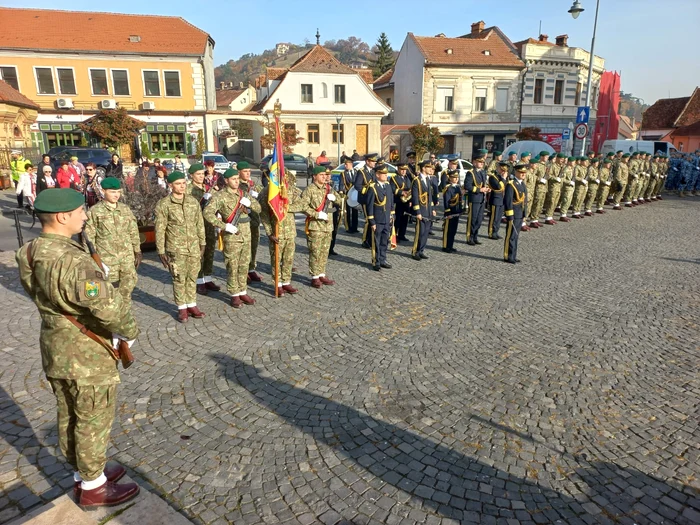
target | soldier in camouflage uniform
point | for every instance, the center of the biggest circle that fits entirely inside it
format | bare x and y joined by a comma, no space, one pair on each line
493,165
644,178
567,189
542,169
530,183
200,190
554,186
620,177
605,184
180,241
221,213
581,187
287,234
633,170
317,201
593,178
112,228
61,278
253,190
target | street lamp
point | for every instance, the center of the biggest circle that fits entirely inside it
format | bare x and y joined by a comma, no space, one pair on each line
338,119
576,10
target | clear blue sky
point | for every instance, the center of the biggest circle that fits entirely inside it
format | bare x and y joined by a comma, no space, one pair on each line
652,42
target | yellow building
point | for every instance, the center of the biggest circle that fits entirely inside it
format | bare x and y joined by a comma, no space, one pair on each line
17,114
159,68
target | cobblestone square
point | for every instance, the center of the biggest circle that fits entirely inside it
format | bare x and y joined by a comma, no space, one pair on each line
458,389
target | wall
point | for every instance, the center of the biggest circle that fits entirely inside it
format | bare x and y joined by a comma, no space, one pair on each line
408,84
14,118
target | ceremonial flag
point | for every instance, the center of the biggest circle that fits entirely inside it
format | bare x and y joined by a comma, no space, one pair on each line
277,193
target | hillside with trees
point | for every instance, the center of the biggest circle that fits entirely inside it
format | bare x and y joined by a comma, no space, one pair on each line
631,106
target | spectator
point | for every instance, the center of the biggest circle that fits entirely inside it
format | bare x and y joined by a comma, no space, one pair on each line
45,179
355,156
64,176
178,165
77,168
322,159
309,168
17,167
161,174
24,185
343,156
93,190
156,165
115,168
45,161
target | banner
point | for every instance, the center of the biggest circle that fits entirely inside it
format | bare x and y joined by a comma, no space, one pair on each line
553,139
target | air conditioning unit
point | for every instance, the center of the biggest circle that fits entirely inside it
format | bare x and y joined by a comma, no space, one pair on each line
108,103
148,106
64,103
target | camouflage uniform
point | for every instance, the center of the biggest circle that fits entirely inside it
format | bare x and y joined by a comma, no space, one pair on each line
207,269
605,185
253,190
237,247
115,234
554,186
581,182
539,195
567,190
63,279
318,232
594,182
633,168
530,183
620,177
179,235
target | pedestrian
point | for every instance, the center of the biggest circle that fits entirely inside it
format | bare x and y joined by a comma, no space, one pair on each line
45,161
322,159
115,168
64,176
24,184
45,179
343,156
77,168
92,185
178,165
64,282
514,204
310,165
453,206
477,188
355,156
380,207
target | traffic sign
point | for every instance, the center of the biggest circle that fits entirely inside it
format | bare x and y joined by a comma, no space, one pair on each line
581,131
566,134
582,114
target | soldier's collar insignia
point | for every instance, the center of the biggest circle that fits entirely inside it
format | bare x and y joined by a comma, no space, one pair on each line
92,289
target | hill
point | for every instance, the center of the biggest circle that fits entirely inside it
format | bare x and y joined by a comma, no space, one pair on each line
631,106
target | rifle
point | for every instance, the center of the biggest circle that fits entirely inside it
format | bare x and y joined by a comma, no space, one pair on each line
122,352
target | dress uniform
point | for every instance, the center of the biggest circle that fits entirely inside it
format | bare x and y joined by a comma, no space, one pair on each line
422,204
497,182
453,205
514,203
252,190
580,188
542,169
476,186
567,190
411,163
80,311
593,178
401,185
380,214
554,186
444,177
348,181
363,177
620,178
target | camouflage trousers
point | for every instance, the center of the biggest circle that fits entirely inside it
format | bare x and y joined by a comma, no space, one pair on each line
552,200
125,275
184,270
254,240
602,196
85,417
530,192
537,202
579,196
319,243
630,189
619,192
642,184
567,194
591,194
237,260
689,179
650,190
207,268
287,248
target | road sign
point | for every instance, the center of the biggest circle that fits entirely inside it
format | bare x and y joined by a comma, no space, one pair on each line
581,131
582,114
566,134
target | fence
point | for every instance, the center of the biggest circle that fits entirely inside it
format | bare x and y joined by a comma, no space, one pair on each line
31,154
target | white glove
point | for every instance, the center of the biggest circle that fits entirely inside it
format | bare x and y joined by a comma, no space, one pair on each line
607,183
331,197
572,183
245,201
116,338
230,228
322,216
558,179
585,182
105,269
254,194
206,196
597,181
217,231
543,180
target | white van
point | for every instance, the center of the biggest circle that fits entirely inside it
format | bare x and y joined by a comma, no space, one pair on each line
630,146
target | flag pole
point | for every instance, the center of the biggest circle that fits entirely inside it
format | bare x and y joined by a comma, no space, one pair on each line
277,112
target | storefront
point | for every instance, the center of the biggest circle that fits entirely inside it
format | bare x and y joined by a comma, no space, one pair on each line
167,139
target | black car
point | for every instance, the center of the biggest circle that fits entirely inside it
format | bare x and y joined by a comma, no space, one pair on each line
292,161
99,156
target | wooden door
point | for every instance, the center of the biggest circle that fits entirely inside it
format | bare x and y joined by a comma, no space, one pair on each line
361,137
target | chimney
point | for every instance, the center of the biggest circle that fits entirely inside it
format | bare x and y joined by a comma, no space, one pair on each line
221,85
544,38
230,84
477,28
240,85
562,40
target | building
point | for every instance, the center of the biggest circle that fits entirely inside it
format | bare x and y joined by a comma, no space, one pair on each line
235,98
628,128
383,87
328,103
72,64
468,87
554,84
282,48
676,120
17,115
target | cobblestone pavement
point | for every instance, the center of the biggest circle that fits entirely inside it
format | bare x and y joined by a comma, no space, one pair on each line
564,389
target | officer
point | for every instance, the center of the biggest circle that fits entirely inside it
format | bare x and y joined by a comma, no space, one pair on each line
81,314
112,228
252,190
580,186
423,209
477,188
380,210
554,186
200,190
497,183
363,177
620,177
542,169
567,190
411,163
180,241
453,206
401,185
593,178
514,204
351,214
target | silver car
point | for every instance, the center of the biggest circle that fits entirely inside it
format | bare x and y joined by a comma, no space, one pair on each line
221,163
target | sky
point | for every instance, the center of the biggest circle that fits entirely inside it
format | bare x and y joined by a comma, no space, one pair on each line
653,43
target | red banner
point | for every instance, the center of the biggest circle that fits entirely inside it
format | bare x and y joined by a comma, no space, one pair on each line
553,139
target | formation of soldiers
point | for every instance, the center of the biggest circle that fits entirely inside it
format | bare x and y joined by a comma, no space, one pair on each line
684,174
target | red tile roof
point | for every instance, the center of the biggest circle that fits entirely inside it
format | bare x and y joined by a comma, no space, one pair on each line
384,78
365,74
687,131
274,73
663,113
11,96
469,51
318,60
99,32
224,97
691,111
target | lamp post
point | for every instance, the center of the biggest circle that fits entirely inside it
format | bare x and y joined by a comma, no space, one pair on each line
338,119
576,10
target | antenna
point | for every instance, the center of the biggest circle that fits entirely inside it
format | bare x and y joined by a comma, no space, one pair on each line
540,31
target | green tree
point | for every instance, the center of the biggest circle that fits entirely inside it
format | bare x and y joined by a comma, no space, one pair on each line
426,139
201,145
385,56
113,127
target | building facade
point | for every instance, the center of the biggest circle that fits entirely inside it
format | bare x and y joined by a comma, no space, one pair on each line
676,120
17,115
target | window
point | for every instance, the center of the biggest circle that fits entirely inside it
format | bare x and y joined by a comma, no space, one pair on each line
290,127
558,91
578,94
66,81
120,82
172,83
151,83
501,99
307,93
9,75
44,80
340,94
480,99
539,88
167,142
98,77
312,134
444,100
594,97
338,133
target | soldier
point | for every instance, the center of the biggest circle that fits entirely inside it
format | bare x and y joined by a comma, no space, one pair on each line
495,161
380,209
542,169
605,178
581,187
530,182
514,203
287,232
655,173
200,190
112,228
402,199
453,205
422,202
232,205
554,186
567,190
317,201
180,241
252,190
411,163
497,182
593,178
620,178
363,177
81,316
444,179
513,161
633,167
476,186
644,177
351,214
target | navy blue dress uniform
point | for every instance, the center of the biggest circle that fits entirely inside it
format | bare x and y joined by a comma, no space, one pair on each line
401,185
452,202
422,204
380,214
515,204
444,176
363,177
497,182
351,214
474,183
412,168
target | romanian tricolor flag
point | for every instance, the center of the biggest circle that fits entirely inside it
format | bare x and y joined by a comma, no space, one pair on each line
277,192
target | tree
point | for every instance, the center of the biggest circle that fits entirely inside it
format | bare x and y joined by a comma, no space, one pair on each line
243,127
385,56
290,136
113,127
201,145
351,50
529,134
426,139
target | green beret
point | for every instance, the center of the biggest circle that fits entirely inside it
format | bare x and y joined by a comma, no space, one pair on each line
595,160
242,165
534,161
583,157
497,152
230,173
607,161
58,200
513,153
484,151
619,151
626,155
195,168
111,183
634,154
543,153
561,155
572,159
319,169
175,175
525,154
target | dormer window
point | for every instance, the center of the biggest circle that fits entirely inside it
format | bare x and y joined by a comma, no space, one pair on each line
448,50
486,52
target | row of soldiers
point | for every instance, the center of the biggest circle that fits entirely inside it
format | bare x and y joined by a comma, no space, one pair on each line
684,173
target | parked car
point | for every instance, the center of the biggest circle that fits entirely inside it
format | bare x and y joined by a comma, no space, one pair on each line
101,157
463,165
221,163
646,146
358,164
292,161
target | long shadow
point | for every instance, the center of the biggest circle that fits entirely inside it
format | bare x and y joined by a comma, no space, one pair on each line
143,297
691,261
9,279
